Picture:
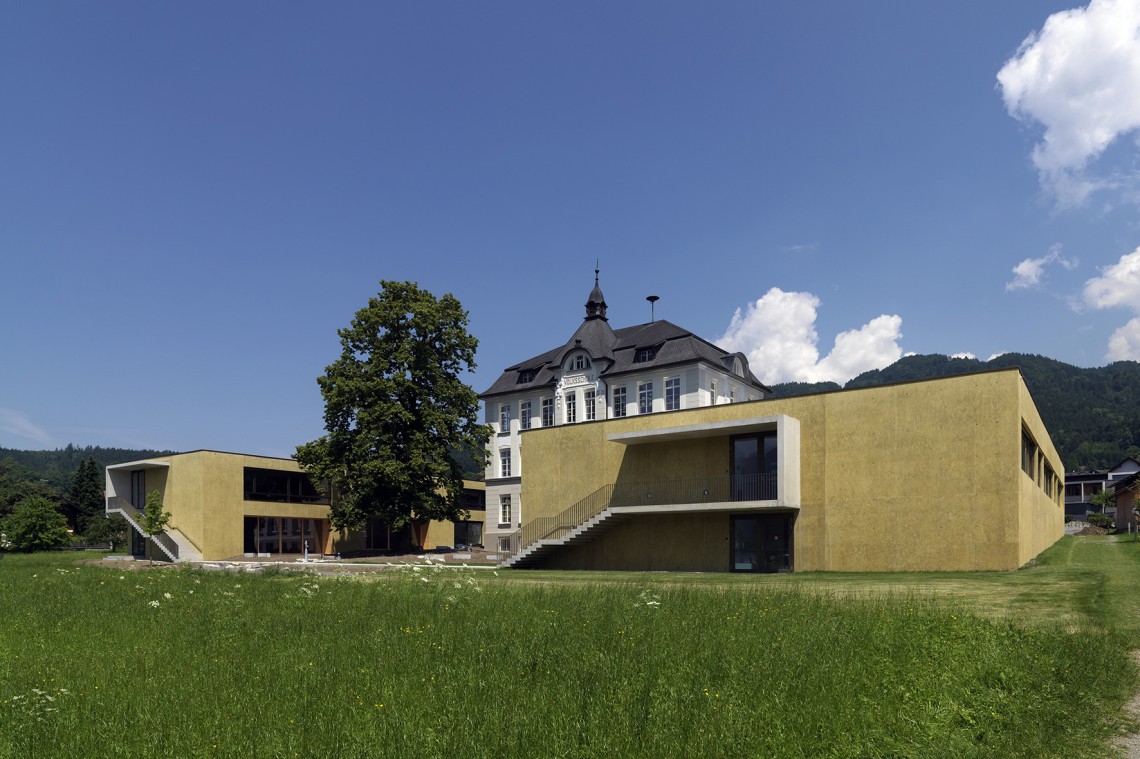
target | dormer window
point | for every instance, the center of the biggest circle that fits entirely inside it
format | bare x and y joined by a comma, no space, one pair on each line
644,354
580,362
526,375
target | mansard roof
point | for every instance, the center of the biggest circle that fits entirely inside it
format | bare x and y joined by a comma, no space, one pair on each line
657,344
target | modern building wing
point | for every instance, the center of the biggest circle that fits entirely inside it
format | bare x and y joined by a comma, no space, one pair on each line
227,505
956,473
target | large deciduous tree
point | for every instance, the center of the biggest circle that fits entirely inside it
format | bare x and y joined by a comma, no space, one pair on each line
395,410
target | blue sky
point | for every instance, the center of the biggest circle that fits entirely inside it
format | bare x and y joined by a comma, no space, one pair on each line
194,197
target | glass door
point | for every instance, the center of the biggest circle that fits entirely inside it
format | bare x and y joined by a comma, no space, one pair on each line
753,467
762,543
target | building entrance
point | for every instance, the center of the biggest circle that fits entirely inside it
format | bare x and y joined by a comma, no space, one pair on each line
762,543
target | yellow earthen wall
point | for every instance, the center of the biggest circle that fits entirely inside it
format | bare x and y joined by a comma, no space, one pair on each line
915,476
204,493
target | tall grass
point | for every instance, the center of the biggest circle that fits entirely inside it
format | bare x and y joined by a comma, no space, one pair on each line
100,662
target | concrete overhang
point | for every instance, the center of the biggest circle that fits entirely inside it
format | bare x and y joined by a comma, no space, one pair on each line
134,466
701,508
787,429
707,429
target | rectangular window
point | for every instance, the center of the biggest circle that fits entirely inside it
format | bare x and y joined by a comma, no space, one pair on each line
645,397
588,400
571,407
1028,455
504,544
644,354
673,394
505,511
504,417
732,395
1073,491
619,401
547,412
280,487
505,462
524,415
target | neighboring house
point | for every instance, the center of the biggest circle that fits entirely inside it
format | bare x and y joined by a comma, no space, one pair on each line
956,473
225,505
599,373
1080,487
1126,490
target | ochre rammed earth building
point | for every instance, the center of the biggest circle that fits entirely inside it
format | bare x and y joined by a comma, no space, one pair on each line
230,505
648,448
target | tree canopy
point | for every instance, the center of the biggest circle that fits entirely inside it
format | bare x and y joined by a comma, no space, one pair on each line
35,525
396,409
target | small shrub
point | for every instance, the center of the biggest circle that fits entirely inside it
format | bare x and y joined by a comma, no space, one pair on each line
1100,520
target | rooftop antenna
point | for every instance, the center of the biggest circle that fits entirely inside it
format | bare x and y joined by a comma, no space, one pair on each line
652,301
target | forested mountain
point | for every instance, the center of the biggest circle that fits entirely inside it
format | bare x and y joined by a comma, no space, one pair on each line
55,468
1093,415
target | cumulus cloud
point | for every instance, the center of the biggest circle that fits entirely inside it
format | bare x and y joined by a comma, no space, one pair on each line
1078,77
1119,286
962,355
778,335
15,423
1031,271
1124,344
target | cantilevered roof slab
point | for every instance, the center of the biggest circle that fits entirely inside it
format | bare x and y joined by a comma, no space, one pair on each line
708,429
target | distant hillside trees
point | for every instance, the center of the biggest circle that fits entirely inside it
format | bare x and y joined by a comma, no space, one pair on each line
71,479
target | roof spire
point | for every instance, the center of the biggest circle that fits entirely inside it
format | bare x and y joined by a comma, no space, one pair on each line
596,303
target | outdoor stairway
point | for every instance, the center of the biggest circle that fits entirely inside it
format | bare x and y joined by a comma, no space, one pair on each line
583,533
174,543
611,504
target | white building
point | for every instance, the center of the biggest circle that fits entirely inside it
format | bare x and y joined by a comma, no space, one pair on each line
599,373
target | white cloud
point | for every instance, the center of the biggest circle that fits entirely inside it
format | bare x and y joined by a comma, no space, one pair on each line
778,335
1030,272
1124,344
1119,285
962,355
1078,77
15,423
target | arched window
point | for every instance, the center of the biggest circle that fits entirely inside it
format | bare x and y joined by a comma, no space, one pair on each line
580,362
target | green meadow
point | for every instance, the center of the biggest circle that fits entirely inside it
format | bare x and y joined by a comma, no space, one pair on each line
100,661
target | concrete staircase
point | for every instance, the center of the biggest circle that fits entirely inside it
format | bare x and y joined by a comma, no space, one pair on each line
175,544
532,554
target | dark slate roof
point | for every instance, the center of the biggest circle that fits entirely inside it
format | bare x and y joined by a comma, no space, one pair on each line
618,348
